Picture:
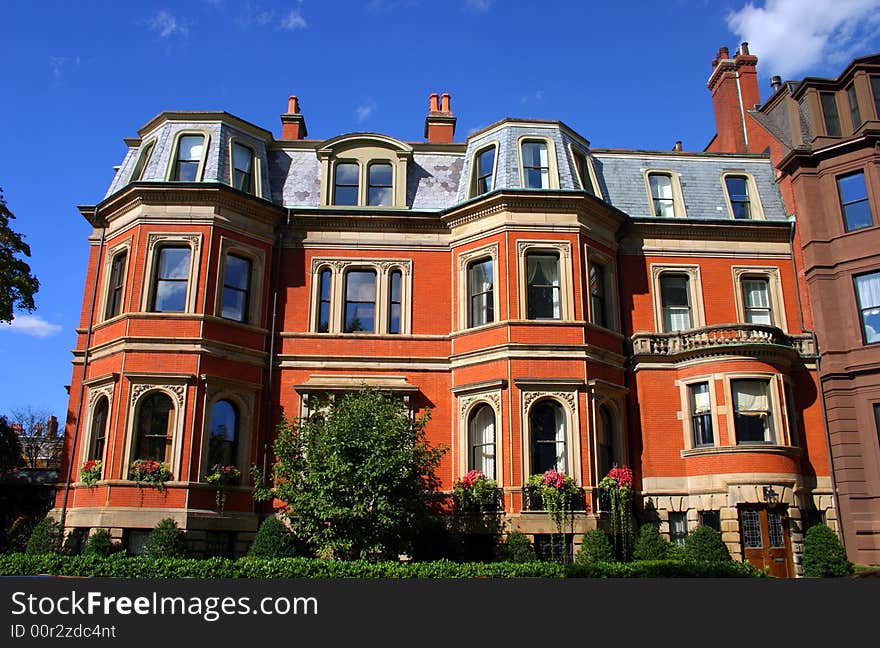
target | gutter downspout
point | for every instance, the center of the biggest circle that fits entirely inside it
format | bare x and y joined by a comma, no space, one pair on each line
279,244
742,113
82,386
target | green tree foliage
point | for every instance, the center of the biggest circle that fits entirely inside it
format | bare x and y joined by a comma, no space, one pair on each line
823,555
100,544
273,540
10,448
595,547
704,544
166,541
357,481
516,548
17,284
45,538
650,545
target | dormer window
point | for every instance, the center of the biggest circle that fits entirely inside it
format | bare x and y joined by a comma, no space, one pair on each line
380,185
345,185
738,196
583,169
484,172
536,165
364,170
143,161
188,161
243,172
661,194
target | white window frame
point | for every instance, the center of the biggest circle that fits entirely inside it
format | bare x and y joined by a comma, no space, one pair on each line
111,253
685,414
475,170
552,163
256,164
777,406
145,155
174,386
257,257
464,261
591,170
468,398
566,294
698,317
594,256
756,208
774,291
678,207
172,163
156,240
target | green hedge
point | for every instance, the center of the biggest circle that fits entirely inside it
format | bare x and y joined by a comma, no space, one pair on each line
120,566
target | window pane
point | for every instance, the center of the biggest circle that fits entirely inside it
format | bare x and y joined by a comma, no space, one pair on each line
854,113
829,110
394,301
677,528
661,192
234,304
238,272
875,90
143,161
701,414
153,428
481,430
535,165
752,416
597,294
854,201
485,167
738,194
174,263
380,196
868,296
242,158
547,428
324,301
542,271
774,529
172,276
584,172
480,293
191,147
347,174
222,444
534,154
674,290
116,286
380,175
99,429
751,529
360,301
756,300
852,188
346,190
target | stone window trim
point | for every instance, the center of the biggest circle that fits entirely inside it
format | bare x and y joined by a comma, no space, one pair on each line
756,208
474,167
467,403
606,394
111,253
257,257
172,162
363,150
464,261
594,256
692,271
157,240
321,386
383,268
684,414
141,386
678,206
144,157
243,397
566,294
98,388
774,285
553,164
256,166
776,393
591,169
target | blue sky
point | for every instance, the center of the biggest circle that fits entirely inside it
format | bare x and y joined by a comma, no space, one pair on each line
77,77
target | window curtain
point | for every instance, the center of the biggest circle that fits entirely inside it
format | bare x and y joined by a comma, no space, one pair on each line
868,288
480,290
482,429
700,395
561,465
751,396
757,299
544,271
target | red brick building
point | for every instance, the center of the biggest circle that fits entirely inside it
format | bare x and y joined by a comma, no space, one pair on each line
554,305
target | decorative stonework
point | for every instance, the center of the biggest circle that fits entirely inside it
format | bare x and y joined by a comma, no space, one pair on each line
384,265
154,239
138,389
564,249
493,399
566,397
95,394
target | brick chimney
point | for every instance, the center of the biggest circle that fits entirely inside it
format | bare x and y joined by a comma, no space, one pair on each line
440,122
734,87
293,124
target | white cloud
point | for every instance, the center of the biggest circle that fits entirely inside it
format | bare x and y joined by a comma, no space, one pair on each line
33,325
166,24
262,17
791,37
293,20
537,96
481,6
365,110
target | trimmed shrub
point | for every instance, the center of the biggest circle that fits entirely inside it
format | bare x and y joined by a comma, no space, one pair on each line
45,538
650,545
166,541
273,540
100,544
516,548
664,569
823,555
704,544
595,547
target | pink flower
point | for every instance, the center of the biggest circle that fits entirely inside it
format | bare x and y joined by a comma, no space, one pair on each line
471,478
554,478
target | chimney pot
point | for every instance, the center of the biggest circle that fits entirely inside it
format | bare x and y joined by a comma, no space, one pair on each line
775,82
744,49
293,105
293,124
444,103
677,146
434,102
440,122
723,52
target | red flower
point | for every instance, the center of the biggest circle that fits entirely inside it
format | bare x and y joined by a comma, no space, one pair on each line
89,465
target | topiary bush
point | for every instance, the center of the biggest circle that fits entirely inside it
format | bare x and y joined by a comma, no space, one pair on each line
516,548
595,547
46,537
650,545
704,544
273,540
166,540
100,544
823,555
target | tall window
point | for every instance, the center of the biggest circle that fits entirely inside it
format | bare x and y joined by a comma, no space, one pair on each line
875,91
360,301
116,287
536,165
324,300
675,297
738,195
661,194
394,301
854,113
583,169
547,430
345,185
243,176
711,519
236,288
143,161
756,300
380,185
154,428
877,420
597,294
223,442
854,201
189,158
678,528
485,167
829,113
753,417
481,440
172,276
99,428
701,414
868,299
605,436
542,274
481,299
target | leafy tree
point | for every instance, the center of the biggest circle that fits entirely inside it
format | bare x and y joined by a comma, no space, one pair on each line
10,448
356,480
516,548
166,540
17,282
38,432
823,555
704,544
595,547
273,540
45,538
650,545
100,544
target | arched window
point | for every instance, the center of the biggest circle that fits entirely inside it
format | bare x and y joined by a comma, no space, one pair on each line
380,190
346,186
243,176
324,300
547,430
481,440
223,442
99,429
188,160
605,437
481,300
154,428
394,301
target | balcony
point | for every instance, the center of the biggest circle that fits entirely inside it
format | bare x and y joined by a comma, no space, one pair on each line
532,500
491,502
723,339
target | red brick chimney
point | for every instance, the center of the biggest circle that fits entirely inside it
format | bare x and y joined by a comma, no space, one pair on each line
734,86
293,124
440,122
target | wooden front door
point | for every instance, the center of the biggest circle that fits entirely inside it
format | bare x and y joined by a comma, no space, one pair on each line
765,539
